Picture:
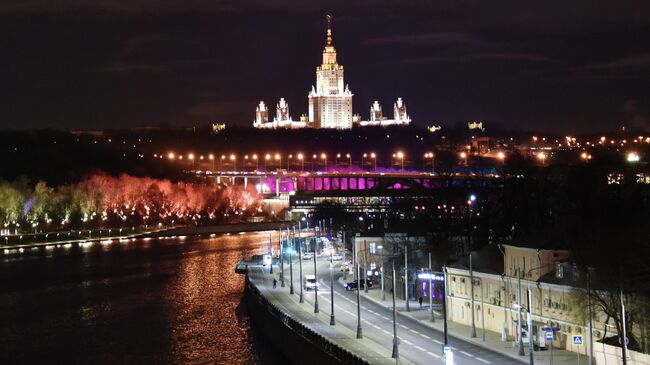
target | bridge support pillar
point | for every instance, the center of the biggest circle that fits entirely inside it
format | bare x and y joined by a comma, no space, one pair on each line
245,182
277,187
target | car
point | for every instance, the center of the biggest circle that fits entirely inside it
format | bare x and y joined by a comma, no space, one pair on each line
310,282
337,257
352,285
345,268
307,255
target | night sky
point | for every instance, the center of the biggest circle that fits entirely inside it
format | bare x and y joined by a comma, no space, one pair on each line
565,66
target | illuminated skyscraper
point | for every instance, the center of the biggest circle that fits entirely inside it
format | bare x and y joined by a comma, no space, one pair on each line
261,114
330,103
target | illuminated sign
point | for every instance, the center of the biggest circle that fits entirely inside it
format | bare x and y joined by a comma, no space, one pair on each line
434,276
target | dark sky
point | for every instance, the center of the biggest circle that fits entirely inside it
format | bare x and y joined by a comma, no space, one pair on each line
566,66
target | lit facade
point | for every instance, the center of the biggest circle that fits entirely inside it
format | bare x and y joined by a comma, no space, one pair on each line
330,102
400,117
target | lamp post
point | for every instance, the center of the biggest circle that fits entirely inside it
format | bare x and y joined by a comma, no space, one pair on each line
234,162
363,157
271,251
374,157
257,162
267,157
406,279
243,163
302,298
349,160
400,155
359,330
433,318
313,158
463,156
223,157
315,278
471,289
291,266
324,158
332,320
211,157
395,339
281,257
191,157
279,159
289,157
336,161
302,162
365,266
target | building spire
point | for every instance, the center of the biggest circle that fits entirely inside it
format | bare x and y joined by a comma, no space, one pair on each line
329,30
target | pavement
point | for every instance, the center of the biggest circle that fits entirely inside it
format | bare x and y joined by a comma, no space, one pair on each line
419,341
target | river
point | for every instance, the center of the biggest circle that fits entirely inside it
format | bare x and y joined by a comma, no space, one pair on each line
142,301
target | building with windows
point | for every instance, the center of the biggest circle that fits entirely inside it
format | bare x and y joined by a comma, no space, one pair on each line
330,101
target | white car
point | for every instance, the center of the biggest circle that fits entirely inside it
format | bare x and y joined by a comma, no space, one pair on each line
307,255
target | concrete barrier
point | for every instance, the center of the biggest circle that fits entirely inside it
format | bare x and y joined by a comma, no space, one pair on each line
297,342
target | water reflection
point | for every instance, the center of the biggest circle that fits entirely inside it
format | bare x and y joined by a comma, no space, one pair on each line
174,300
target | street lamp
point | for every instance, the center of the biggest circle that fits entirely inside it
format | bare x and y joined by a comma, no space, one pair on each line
349,160
332,319
302,162
290,156
323,156
336,161
211,157
257,163
191,157
541,157
315,278
244,163
400,155
223,157
395,339
463,156
234,162
266,160
359,330
374,157
313,158
429,155
363,157
277,158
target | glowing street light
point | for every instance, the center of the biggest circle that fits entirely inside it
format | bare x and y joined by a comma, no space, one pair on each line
336,161
244,163
191,157
234,162
266,159
349,160
400,155
313,158
302,162
257,163
542,157
323,156
431,156
211,157
290,156
585,156
171,155
278,158
633,157
374,157
223,157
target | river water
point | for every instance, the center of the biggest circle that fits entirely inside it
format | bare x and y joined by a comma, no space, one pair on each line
144,301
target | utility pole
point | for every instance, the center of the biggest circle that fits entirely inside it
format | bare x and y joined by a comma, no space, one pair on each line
406,277
521,340
395,339
359,331
433,318
290,265
316,279
591,329
271,251
332,320
482,311
281,260
381,272
365,265
530,328
302,298
624,339
471,290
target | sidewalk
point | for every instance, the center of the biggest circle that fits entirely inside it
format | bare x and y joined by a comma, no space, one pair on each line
460,331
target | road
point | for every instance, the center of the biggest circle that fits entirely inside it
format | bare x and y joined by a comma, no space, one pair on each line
419,344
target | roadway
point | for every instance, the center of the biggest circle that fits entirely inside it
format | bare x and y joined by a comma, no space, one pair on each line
419,344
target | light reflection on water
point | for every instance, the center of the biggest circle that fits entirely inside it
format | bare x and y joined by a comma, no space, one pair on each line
154,301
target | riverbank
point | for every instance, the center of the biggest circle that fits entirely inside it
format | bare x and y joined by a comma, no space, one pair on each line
82,236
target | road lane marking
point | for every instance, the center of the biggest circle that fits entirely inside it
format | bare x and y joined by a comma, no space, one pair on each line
436,341
425,336
414,331
466,353
407,342
420,348
434,355
386,332
483,360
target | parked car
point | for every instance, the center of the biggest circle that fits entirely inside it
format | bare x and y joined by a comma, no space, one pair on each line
337,257
307,255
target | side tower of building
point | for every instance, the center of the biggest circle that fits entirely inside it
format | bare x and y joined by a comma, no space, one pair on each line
399,112
282,111
376,114
261,115
330,103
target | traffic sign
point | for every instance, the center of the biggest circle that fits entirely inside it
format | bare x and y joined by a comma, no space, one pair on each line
577,340
549,335
446,349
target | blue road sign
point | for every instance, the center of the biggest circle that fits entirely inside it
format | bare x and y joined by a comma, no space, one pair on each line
577,340
549,335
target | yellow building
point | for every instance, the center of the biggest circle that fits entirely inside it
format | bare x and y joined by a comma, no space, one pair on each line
503,276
